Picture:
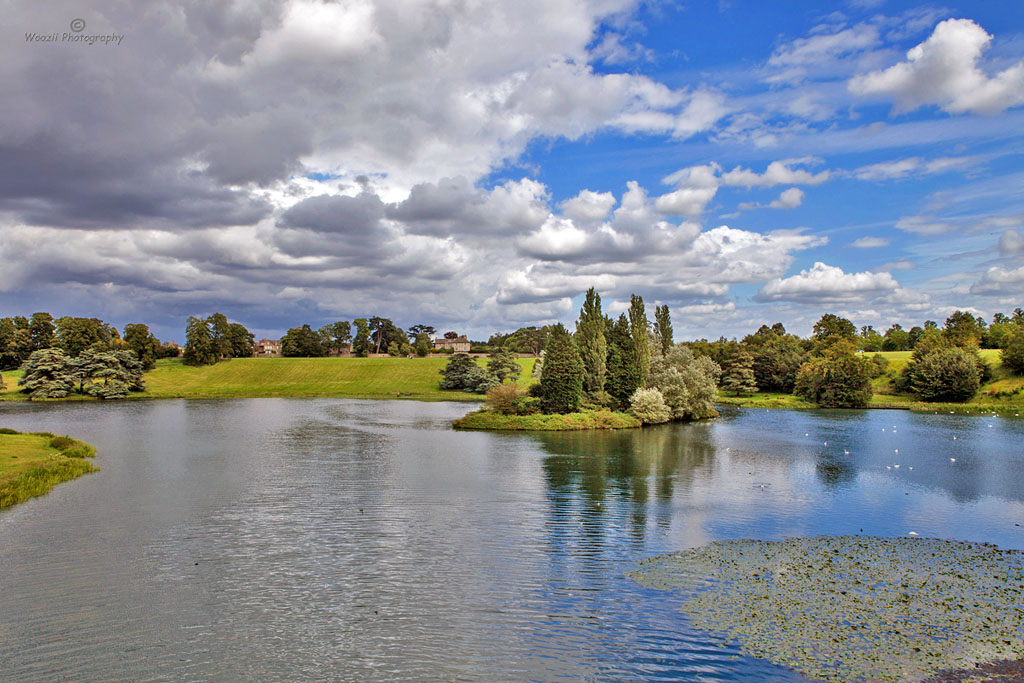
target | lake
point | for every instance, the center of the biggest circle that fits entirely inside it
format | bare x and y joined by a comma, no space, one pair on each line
275,539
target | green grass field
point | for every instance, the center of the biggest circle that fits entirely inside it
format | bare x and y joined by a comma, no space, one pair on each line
414,378
30,466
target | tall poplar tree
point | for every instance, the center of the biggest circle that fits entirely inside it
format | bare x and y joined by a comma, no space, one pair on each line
590,340
663,323
621,379
638,331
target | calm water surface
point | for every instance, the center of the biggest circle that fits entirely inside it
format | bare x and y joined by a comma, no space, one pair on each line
366,541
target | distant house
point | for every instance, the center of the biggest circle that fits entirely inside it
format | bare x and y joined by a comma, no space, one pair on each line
458,345
268,347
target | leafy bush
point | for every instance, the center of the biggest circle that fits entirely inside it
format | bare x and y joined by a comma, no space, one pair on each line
62,442
505,398
948,373
648,406
688,384
836,379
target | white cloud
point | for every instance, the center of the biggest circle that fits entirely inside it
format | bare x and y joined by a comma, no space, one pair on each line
870,242
828,284
777,173
998,280
902,264
1011,242
924,225
589,206
791,62
944,71
902,168
789,199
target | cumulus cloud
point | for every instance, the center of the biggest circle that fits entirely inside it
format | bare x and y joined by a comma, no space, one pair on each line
944,71
828,284
870,242
589,206
778,173
697,185
997,280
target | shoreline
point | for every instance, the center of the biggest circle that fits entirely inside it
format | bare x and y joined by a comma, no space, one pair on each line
32,463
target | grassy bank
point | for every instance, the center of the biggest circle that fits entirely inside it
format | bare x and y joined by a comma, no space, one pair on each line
414,378
590,419
32,464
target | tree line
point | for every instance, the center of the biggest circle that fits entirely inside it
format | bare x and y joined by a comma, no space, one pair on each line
826,368
70,355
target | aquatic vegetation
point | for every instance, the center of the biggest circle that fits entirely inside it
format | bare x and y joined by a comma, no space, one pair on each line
843,608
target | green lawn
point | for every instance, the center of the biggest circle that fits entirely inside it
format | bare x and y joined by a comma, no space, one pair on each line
309,377
31,466
414,378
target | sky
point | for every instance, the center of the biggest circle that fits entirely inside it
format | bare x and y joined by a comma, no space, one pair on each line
477,166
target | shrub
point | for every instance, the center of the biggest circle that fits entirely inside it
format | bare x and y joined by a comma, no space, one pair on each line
62,442
505,398
1012,355
948,374
687,384
648,405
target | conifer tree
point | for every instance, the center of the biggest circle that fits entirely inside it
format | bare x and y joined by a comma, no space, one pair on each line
739,379
503,365
48,374
593,346
561,379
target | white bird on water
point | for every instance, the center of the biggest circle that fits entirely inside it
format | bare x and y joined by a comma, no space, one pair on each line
952,459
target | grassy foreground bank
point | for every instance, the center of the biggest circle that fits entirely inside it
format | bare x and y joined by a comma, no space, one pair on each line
32,464
413,378
588,419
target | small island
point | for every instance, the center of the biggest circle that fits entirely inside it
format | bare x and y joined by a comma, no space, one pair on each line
31,464
611,374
